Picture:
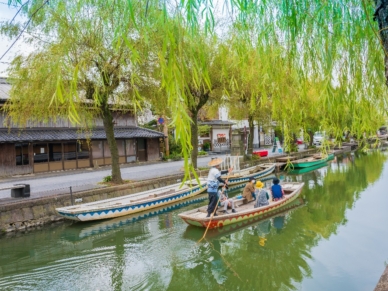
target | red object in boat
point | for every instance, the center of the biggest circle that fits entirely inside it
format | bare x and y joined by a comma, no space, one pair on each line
262,153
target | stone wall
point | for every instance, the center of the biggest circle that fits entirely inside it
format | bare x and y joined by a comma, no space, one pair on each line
23,214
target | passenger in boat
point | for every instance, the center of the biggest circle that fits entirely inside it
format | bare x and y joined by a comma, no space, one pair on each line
262,195
249,190
213,181
277,190
225,201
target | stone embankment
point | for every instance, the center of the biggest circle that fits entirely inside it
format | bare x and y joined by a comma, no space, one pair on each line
20,215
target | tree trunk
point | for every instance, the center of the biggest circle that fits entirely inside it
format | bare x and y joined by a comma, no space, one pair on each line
194,139
381,15
110,136
251,133
311,134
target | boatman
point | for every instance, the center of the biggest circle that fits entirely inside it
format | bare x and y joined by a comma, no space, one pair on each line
213,181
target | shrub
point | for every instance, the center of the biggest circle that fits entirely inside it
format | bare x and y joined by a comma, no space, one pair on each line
202,153
107,179
206,146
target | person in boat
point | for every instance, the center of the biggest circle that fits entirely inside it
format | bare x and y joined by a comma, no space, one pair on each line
213,181
262,195
277,190
225,201
249,190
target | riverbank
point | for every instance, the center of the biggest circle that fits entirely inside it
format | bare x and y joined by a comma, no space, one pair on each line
19,214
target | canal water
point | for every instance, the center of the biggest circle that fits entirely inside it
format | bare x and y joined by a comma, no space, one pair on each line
334,238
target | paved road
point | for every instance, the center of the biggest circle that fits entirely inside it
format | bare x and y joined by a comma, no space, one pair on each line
59,182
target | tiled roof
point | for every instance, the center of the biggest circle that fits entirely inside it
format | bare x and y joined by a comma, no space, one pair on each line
4,89
216,122
33,135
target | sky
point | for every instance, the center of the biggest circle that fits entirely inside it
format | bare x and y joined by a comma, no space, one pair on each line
20,47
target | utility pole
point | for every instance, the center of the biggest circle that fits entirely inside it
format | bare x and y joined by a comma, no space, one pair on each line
165,132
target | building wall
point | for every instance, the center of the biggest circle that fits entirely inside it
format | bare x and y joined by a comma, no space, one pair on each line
8,165
153,149
220,146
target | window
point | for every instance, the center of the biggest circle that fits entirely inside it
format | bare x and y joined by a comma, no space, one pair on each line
69,151
55,152
21,154
221,138
82,150
40,153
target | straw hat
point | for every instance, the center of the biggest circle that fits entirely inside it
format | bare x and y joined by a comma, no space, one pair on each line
215,162
259,184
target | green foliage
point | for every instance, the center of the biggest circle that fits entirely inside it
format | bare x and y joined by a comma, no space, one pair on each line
174,146
173,156
206,146
107,179
307,64
203,129
202,153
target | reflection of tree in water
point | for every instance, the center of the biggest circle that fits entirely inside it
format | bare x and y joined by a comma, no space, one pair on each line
282,261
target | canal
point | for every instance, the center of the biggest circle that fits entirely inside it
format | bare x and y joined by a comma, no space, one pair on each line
334,238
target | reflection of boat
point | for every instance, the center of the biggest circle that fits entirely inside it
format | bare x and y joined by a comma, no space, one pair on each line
81,231
197,217
129,204
312,161
306,170
256,172
196,233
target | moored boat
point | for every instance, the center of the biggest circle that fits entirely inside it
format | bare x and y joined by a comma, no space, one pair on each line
257,172
312,161
300,171
245,211
133,203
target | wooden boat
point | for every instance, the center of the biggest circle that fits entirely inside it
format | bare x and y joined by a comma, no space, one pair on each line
312,161
257,172
78,232
195,233
285,159
245,211
300,171
129,204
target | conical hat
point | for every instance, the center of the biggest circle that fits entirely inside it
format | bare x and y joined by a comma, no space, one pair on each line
215,162
259,184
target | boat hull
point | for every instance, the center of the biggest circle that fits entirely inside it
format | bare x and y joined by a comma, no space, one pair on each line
315,163
112,211
248,176
239,217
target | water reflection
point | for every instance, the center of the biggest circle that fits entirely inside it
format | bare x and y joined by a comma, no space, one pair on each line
158,252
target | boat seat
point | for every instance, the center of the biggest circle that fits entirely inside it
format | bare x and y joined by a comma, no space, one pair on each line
162,194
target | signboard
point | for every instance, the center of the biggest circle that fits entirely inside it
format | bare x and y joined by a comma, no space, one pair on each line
160,120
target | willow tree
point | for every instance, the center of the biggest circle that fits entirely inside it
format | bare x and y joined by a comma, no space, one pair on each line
335,42
82,70
197,61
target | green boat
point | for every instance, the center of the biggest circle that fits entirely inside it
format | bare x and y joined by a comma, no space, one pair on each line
306,170
312,161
